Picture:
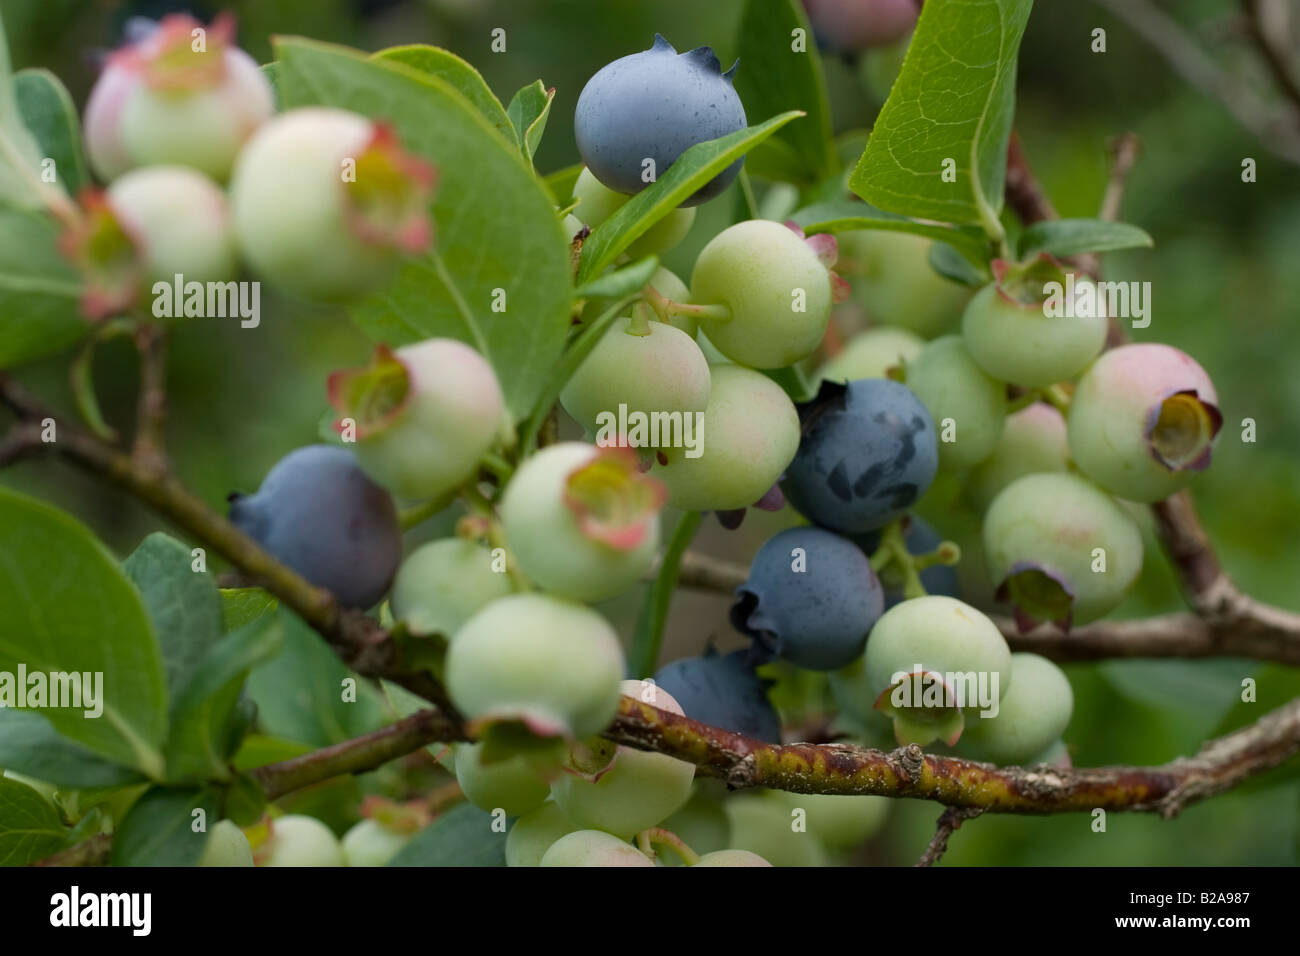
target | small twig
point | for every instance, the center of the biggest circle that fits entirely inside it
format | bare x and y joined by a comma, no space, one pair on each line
93,851
951,819
1024,195
1277,131
1275,53
22,442
1124,152
150,447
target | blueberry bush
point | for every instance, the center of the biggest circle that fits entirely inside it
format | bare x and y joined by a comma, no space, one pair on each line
437,626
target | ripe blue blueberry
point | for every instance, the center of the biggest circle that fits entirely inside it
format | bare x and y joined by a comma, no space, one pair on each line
639,113
722,692
318,513
868,452
812,596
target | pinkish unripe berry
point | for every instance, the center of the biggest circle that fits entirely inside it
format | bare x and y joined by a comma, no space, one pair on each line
326,202
182,95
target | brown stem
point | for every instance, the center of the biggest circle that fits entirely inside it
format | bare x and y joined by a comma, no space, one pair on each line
150,448
93,851
1275,53
1124,150
951,819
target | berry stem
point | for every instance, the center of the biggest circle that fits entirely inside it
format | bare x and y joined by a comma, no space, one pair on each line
893,550
1058,398
666,308
639,324
658,836
947,553
418,514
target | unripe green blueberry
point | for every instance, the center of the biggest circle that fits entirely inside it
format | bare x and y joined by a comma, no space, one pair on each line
1143,421
541,661
932,664
1032,441
533,833
422,417
840,822
1032,714
731,858
1061,549
893,280
593,848
514,785
767,828
596,203
226,846
636,790
777,289
1055,754
1010,334
326,202
651,368
751,433
298,840
149,227
967,406
168,100
582,521
871,353
667,285
370,843
442,584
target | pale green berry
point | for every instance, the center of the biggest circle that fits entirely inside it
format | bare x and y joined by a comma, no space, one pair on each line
444,583
840,822
646,368
549,664
1061,549
1010,334
1032,441
422,417
893,280
325,203
871,353
226,846
766,828
582,521
533,833
1032,714
731,858
370,843
751,433
968,407
596,203
298,840
932,663
637,789
514,785
593,848
777,289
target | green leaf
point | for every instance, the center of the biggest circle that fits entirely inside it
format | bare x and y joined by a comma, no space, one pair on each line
850,215
240,606
299,692
951,264
568,364
559,184
20,156
953,100
1069,237
184,605
528,112
258,750
68,607
159,828
685,176
458,73
625,281
30,828
498,245
30,746
463,836
49,113
648,636
197,745
40,292
773,77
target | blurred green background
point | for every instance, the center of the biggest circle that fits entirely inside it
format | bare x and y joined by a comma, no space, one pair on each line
1226,289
